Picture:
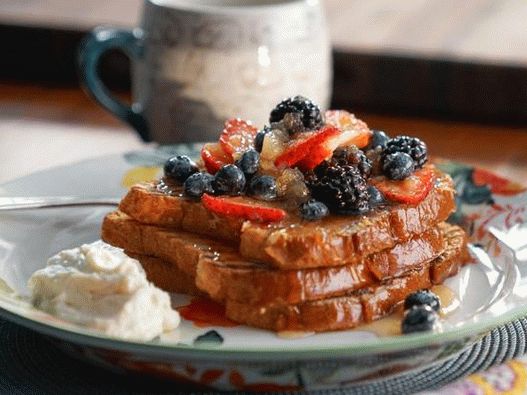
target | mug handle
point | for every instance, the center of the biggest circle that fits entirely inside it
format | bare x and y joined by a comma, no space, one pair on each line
91,49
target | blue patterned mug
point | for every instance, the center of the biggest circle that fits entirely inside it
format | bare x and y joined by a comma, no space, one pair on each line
196,63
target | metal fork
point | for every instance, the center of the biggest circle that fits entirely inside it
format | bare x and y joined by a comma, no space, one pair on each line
35,202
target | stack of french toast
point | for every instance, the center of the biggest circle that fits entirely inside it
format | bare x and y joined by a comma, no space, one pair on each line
313,223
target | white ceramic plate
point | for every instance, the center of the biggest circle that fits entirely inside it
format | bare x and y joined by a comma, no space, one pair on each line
492,292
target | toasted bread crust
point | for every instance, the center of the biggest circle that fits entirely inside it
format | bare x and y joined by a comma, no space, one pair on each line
333,313
456,246
224,274
343,240
258,285
180,248
346,312
146,205
293,243
167,276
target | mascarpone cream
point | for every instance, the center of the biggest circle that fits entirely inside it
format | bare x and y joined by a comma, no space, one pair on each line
100,287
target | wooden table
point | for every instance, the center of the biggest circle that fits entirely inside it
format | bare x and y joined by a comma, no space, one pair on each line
43,126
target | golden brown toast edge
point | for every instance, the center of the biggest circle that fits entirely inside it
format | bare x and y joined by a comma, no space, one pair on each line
345,240
166,276
248,283
335,241
146,205
221,272
350,311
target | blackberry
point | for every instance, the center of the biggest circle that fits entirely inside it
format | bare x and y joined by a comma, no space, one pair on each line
340,187
309,113
409,145
354,157
292,123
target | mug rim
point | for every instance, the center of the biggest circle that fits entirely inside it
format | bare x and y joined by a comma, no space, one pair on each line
186,5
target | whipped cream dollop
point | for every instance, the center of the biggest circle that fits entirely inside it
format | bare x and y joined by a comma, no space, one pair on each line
100,287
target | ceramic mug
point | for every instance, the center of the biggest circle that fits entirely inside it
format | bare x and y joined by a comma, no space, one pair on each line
196,63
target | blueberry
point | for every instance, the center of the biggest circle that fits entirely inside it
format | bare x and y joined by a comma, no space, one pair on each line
262,187
249,162
378,139
179,168
198,184
313,210
259,138
398,166
423,297
229,180
376,196
419,319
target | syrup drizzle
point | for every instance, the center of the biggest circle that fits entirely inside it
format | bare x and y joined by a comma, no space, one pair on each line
391,325
205,313
448,298
291,335
168,188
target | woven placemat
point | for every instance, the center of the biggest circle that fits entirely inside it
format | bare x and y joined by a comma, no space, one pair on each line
31,364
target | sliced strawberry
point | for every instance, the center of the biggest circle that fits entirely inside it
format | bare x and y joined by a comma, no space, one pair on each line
231,207
358,132
325,149
315,157
302,146
214,157
237,136
411,190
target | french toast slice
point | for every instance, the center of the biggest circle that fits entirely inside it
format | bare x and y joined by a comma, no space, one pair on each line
147,204
220,271
166,276
358,307
294,243
260,285
444,266
334,313
181,249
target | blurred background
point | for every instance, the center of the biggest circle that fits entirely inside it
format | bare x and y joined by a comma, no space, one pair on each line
423,66
461,59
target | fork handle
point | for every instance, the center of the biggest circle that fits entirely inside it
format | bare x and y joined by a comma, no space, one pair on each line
34,202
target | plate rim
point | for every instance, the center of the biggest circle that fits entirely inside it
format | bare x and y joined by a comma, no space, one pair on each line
390,344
